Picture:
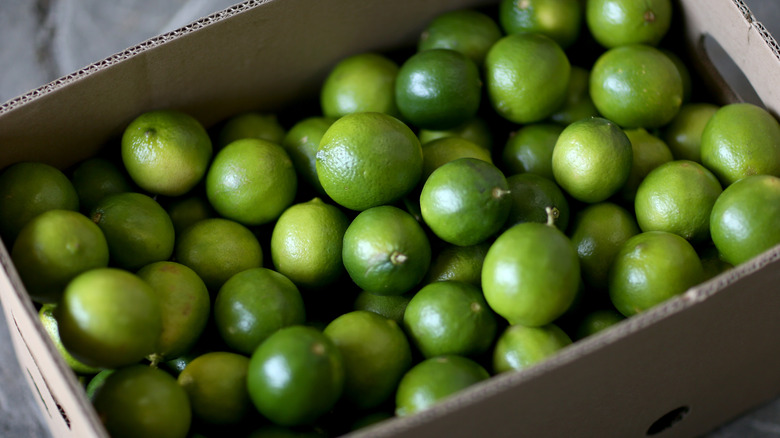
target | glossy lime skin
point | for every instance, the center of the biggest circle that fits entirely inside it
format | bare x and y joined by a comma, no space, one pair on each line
215,383
302,142
558,19
621,22
438,89
96,178
141,401
360,83
467,31
532,195
295,376
49,322
253,304
519,347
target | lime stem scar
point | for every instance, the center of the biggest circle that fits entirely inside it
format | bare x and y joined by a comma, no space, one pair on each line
552,215
397,258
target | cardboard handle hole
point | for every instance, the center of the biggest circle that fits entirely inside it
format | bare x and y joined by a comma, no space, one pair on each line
667,420
731,79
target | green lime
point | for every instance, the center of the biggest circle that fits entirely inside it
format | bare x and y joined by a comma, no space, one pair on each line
677,197
739,140
187,210
458,263
138,229
648,152
616,23
166,152
598,233
475,130
49,322
744,218
465,30
443,150
438,89
96,382
143,401
578,104
360,83
216,384
531,274
376,355
216,249
519,347
450,317
557,19
465,201
185,304
389,306
264,126
302,142
526,76
683,133
253,304
636,86
434,380
597,321
386,251
296,376
534,199
368,159
307,241
96,178
530,149
53,248
651,268
592,159
109,318
251,181
685,74
28,189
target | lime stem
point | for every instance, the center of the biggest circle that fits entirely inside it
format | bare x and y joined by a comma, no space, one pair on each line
397,258
499,193
552,215
155,360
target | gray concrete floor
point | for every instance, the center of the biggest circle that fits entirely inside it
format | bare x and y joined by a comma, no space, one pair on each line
41,40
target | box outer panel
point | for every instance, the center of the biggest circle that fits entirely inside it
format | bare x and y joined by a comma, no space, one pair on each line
709,350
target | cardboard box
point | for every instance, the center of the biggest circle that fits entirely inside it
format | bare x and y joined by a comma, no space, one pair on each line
682,368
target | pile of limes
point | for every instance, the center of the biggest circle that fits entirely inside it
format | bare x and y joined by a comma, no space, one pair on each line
530,174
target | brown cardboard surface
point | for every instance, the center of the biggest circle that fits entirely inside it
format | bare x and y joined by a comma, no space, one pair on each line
704,350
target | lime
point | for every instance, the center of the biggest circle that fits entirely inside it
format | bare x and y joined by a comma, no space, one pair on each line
530,149
360,83
450,317
683,133
109,318
534,199
677,197
557,19
216,386
744,218
302,142
475,130
597,321
253,124
592,159
55,247
434,380
685,74
49,322
578,104
368,159
386,251
143,401
295,376
531,274
636,86
622,22
96,382
251,181
389,306
376,355
465,201
306,243
739,140
253,304
526,76
438,89
519,347
651,268
28,189
138,230
96,178
598,233
166,152
216,249
648,152
185,304
443,150
187,210
458,263
465,30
